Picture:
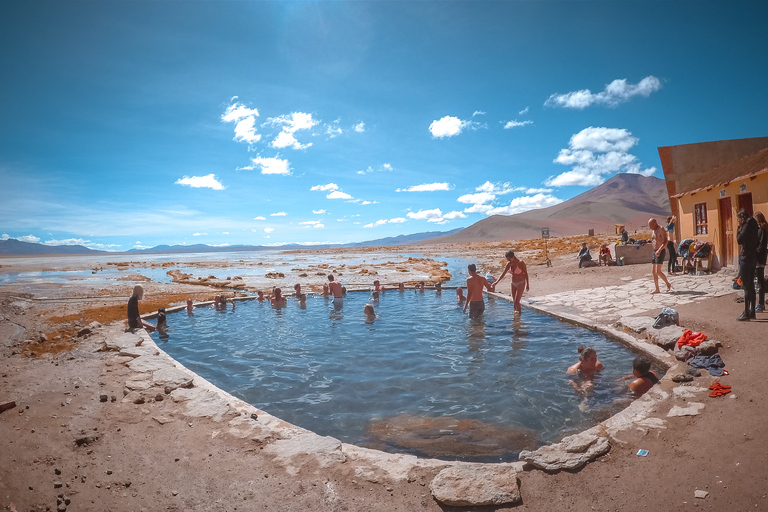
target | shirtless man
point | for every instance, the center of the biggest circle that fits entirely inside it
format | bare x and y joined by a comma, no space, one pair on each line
474,300
659,251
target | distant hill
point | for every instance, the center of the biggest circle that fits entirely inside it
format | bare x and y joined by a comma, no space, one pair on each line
13,246
403,239
629,199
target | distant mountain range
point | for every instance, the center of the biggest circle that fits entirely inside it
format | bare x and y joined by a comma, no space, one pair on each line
16,247
629,199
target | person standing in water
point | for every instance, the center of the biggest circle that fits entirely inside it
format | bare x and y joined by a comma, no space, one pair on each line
475,284
519,275
337,291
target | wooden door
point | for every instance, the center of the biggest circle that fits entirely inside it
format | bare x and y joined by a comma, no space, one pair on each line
726,232
745,203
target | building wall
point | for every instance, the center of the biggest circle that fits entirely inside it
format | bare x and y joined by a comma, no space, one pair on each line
686,225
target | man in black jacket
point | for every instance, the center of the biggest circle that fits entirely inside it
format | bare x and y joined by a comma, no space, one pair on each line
747,239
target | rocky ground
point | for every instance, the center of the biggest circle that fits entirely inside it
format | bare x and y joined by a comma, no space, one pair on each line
65,448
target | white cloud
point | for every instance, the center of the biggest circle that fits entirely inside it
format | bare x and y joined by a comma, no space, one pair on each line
524,111
245,129
595,152
269,230
207,181
396,220
312,224
338,194
286,139
435,215
447,126
225,232
272,165
615,93
291,124
259,218
5,236
479,208
333,131
479,198
426,187
330,186
523,204
278,214
369,202
516,124
200,234
84,243
318,212
382,168
359,127
32,239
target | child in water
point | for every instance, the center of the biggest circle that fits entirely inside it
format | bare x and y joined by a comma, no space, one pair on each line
261,297
369,312
587,366
460,295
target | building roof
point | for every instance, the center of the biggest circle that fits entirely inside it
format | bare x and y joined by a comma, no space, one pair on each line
746,167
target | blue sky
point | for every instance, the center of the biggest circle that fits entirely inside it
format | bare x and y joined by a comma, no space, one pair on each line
135,123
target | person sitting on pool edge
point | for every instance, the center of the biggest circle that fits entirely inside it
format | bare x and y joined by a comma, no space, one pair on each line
475,284
645,379
587,366
134,318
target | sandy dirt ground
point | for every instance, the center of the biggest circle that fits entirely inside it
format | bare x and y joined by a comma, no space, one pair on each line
63,448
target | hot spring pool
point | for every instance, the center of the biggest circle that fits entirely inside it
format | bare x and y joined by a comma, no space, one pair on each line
422,378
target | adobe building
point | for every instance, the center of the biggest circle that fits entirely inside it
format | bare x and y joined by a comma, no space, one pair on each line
708,183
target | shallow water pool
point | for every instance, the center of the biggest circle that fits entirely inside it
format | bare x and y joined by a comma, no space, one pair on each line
421,378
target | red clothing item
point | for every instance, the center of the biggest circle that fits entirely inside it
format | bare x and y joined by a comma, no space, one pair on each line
693,340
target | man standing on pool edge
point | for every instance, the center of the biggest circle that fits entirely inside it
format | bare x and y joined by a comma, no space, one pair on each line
474,300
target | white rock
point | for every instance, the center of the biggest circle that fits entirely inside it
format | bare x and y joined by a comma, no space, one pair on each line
700,494
693,409
466,485
571,453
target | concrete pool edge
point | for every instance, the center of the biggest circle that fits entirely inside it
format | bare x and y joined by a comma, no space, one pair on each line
290,445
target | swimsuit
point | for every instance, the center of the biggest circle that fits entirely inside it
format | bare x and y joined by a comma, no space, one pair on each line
476,308
518,272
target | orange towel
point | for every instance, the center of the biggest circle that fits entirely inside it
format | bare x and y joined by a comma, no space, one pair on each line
693,340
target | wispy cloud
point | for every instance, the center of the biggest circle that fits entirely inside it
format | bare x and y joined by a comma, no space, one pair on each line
524,111
382,168
312,224
450,126
200,234
435,215
318,212
329,186
84,243
259,218
338,194
426,187
359,127
516,124
271,165
278,214
381,222
245,119
207,181
594,153
269,230
32,239
615,93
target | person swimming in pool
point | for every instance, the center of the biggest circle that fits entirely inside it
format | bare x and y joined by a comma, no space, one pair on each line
377,286
277,298
370,313
401,287
645,379
519,275
460,295
326,290
587,366
189,306
260,297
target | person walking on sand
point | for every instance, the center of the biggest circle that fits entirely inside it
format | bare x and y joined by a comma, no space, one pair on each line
134,317
519,275
475,284
659,240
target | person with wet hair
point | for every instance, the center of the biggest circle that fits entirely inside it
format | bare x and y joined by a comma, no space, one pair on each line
460,295
587,366
369,312
277,298
134,317
645,379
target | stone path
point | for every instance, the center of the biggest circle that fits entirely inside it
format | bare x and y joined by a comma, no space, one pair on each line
607,304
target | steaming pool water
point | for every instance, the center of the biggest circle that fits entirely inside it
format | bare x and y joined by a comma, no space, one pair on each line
421,378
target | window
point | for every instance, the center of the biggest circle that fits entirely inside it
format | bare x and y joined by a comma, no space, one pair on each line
700,217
